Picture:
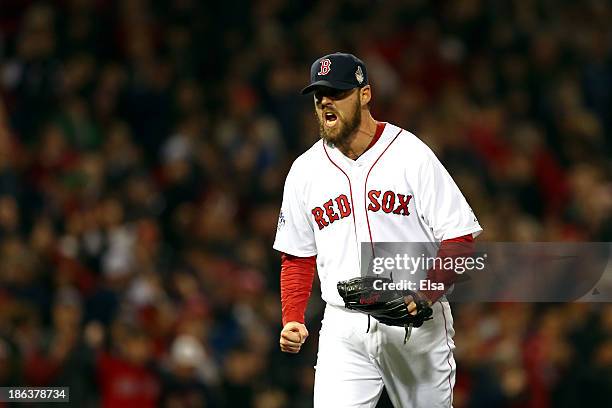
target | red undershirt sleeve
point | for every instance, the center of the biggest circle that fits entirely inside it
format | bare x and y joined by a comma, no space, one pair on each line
449,248
297,274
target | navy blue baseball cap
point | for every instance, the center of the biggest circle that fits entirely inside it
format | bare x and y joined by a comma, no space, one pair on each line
338,71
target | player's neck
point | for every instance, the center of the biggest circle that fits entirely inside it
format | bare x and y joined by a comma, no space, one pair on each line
361,139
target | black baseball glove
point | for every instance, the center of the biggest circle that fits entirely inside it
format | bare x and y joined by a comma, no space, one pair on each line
389,307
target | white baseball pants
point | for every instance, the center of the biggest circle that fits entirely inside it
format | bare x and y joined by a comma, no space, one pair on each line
352,365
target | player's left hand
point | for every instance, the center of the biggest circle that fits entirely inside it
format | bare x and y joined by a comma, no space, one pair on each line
412,308
411,304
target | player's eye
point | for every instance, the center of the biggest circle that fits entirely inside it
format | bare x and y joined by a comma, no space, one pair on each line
331,93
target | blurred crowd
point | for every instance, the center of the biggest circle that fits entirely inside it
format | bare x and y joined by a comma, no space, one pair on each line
143,150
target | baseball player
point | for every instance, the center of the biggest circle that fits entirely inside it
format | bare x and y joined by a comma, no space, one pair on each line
366,181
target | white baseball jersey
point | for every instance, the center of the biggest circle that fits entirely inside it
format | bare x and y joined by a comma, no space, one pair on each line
397,191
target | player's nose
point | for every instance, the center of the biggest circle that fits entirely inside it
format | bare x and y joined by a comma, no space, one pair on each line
326,101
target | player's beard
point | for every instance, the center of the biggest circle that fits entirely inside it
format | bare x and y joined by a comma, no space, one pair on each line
342,133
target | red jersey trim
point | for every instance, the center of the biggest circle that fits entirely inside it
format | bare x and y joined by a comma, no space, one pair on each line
350,189
365,189
448,356
380,128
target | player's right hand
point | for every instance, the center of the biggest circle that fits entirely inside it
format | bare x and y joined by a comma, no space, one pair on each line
292,337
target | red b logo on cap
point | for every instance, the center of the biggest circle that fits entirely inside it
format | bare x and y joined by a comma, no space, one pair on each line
325,64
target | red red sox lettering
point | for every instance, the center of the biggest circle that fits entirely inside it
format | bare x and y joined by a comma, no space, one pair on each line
338,208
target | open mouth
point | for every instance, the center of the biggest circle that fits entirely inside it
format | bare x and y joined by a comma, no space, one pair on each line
330,119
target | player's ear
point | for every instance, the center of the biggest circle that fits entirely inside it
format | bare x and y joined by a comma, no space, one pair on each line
365,94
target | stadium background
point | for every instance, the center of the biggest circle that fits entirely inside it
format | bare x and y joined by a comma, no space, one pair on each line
143,150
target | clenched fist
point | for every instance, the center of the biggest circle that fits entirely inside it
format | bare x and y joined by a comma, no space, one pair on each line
292,337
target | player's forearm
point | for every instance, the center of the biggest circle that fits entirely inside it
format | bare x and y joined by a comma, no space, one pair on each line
297,274
444,277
